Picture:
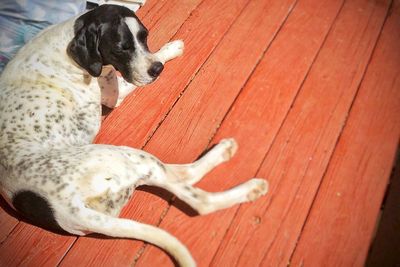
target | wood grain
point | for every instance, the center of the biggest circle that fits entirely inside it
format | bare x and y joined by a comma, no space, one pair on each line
348,202
28,245
254,120
312,100
302,149
186,134
8,219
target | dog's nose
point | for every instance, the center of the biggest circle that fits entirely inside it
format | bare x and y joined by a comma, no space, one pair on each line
155,69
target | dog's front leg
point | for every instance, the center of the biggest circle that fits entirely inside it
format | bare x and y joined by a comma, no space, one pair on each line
170,51
109,86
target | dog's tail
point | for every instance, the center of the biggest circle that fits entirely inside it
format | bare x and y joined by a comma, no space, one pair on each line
125,228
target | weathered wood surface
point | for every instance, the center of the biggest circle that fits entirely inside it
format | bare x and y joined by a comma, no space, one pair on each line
309,89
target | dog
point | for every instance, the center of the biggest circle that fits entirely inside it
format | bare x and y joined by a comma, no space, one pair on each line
50,112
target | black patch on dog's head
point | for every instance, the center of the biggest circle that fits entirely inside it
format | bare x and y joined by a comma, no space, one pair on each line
103,38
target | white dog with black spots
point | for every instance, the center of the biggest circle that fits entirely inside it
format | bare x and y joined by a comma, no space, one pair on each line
50,112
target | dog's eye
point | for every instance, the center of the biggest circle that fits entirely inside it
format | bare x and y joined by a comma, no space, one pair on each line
142,36
122,48
126,46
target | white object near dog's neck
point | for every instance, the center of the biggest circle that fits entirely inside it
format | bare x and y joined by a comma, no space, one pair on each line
133,5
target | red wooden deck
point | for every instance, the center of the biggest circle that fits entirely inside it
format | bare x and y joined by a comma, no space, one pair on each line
310,89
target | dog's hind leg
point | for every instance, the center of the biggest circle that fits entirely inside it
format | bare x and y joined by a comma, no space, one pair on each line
193,172
178,179
206,202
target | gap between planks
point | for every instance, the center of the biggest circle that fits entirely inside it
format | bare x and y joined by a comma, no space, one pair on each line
372,130
275,238
191,227
341,132
211,138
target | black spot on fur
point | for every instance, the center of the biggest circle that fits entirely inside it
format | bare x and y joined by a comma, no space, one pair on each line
36,209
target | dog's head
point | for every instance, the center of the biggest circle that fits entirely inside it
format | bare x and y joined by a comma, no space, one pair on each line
113,35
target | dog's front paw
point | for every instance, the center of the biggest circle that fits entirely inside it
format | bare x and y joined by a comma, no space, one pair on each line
170,50
176,47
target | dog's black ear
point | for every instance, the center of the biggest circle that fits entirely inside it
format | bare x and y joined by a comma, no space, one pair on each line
84,49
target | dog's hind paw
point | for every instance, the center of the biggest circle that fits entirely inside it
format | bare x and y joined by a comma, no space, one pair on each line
259,188
229,147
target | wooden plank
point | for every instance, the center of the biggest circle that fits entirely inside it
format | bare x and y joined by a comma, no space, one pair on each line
301,151
31,246
172,16
217,84
8,219
122,252
27,239
150,6
254,120
349,200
